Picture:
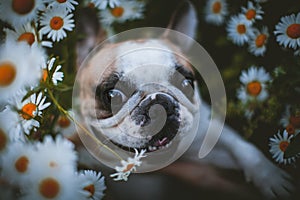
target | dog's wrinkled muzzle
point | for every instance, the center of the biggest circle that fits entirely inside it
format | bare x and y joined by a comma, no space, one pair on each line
158,114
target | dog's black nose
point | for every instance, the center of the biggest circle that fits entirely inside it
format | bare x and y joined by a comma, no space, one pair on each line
149,108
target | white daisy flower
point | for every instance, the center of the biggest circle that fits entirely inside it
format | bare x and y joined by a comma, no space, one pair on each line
55,76
288,31
20,66
33,106
216,11
66,4
65,126
278,145
103,4
92,184
28,110
128,166
16,162
254,85
61,185
19,12
26,34
252,13
11,125
297,52
128,10
291,122
55,21
53,172
55,155
239,30
258,42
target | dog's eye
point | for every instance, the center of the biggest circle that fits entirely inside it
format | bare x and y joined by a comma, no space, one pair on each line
186,83
116,99
187,87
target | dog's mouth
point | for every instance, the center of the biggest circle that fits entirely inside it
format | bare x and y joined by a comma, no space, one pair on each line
161,140
169,129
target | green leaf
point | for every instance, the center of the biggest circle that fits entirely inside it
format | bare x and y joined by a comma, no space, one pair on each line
294,147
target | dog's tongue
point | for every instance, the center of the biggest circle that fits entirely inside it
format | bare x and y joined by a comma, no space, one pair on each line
161,142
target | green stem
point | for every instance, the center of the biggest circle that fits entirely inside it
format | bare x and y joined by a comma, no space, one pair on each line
36,32
61,109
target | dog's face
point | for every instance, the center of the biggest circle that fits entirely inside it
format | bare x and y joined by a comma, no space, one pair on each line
139,94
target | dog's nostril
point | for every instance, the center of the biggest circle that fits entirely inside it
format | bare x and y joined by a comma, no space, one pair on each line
168,102
154,107
142,120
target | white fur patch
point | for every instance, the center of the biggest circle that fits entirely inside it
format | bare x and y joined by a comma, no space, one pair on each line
140,61
127,133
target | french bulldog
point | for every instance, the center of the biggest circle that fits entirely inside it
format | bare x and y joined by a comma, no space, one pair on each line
125,97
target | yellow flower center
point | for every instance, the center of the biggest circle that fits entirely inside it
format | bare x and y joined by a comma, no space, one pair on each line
290,129
260,40
216,7
22,7
45,75
295,121
117,11
63,121
250,14
254,88
241,28
49,188
293,31
283,145
7,73
90,189
21,164
128,167
3,140
61,1
27,37
28,111
56,23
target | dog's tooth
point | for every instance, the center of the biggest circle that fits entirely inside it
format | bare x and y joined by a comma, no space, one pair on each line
149,137
169,144
153,96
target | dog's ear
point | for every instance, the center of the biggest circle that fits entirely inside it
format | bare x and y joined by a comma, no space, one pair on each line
89,31
184,20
